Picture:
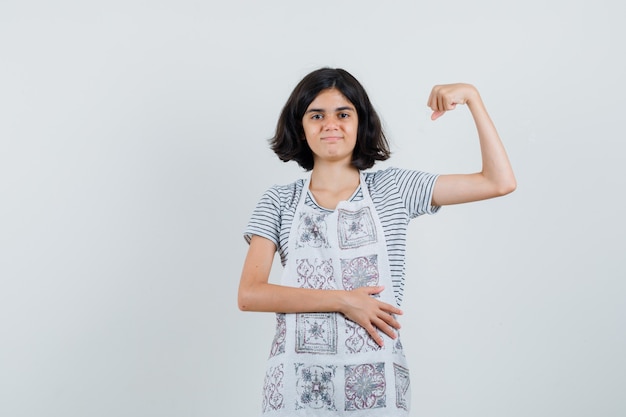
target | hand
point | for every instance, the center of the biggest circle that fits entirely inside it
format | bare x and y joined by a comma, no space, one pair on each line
445,97
370,313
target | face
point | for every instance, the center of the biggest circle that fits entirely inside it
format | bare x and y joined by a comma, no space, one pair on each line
330,126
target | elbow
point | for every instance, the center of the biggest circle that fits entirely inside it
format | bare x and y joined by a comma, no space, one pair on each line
243,301
506,187
246,299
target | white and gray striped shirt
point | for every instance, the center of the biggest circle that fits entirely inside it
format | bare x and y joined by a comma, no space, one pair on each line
398,195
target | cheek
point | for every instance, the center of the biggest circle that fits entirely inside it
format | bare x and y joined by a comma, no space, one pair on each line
309,127
355,129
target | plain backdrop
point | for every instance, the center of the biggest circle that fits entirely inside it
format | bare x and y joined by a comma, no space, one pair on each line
133,149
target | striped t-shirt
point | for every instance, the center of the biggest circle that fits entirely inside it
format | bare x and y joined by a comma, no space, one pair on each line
398,195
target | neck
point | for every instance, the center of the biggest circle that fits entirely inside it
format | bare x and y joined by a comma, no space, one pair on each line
334,177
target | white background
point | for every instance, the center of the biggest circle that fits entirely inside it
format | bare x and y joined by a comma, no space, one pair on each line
133,148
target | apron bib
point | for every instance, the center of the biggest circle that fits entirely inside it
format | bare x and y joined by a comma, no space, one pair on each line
323,364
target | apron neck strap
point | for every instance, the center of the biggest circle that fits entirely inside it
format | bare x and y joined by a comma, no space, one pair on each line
362,185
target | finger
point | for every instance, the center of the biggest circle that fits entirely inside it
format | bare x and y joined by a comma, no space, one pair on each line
436,115
389,309
390,320
451,106
429,103
374,290
385,328
371,330
441,103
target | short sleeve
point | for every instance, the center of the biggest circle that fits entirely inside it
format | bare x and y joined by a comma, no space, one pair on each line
416,191
265,219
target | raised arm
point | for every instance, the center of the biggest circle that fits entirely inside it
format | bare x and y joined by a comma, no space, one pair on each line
257,294
496,177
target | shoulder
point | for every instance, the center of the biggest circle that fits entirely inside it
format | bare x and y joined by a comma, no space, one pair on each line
413,188
383,177
277,203
282,196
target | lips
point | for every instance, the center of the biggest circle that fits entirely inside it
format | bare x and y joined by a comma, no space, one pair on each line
331,138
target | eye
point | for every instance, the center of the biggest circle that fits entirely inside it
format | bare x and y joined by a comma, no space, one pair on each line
316,116
343,115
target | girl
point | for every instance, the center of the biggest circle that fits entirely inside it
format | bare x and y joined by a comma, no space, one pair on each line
341,237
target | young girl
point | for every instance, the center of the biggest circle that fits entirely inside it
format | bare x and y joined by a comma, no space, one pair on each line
341,237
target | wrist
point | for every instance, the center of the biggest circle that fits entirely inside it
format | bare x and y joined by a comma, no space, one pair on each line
473,96
339,302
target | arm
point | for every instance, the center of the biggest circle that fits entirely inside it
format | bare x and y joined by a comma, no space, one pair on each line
257,294
496,177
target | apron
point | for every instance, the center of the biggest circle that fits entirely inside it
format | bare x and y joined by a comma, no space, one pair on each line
323,364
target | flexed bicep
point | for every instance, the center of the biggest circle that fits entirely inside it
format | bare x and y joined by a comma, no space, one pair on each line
495,177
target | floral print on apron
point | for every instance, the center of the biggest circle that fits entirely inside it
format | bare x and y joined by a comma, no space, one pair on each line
323,364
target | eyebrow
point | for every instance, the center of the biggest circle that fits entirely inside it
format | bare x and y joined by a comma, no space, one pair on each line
343,108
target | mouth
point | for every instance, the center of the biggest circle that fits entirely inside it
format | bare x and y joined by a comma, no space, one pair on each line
331,138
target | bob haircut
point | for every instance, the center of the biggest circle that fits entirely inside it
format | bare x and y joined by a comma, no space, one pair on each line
289,141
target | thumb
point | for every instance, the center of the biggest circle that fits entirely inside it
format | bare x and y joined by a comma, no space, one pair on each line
375,290
436,115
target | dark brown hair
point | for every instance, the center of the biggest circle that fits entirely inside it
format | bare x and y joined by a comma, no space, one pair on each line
288,143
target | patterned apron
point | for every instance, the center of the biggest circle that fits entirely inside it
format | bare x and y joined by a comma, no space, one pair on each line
323,364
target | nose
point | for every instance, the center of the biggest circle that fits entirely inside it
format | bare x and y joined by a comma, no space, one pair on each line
331,123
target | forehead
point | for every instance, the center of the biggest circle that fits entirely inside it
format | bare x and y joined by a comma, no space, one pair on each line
331,98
